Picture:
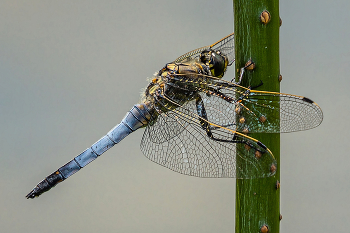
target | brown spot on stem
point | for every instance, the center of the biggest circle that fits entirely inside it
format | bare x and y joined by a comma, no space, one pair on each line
262,118
250,65
278,184
258,154
273,168
279,78
245,131
264,229
241,120
265,17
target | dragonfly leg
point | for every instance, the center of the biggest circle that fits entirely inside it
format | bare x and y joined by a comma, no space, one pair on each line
203,114
203,119
241,78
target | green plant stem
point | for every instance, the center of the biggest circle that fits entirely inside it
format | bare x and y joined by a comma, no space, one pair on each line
257,200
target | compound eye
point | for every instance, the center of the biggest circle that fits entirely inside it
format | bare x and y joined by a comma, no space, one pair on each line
218,64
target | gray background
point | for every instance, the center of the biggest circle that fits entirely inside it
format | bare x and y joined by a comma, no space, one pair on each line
69,71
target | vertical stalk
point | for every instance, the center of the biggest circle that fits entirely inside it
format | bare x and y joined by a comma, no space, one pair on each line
257,200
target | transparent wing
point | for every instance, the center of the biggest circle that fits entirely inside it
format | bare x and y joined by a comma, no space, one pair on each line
225,45
165,128
257,111
191,55
190,151
296,113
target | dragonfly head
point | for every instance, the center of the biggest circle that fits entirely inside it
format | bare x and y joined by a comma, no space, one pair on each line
216,61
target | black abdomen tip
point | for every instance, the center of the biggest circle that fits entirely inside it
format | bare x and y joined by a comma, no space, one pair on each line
45,185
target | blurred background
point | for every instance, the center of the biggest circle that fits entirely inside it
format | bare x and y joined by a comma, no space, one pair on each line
70,70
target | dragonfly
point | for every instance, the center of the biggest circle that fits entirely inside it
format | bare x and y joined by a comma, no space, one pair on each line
194,119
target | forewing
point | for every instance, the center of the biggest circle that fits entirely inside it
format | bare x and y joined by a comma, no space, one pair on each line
165,128
269,112
257,111
225,45
191,151
191,55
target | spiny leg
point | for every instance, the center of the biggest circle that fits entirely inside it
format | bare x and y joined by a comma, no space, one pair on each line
241,77
203,119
